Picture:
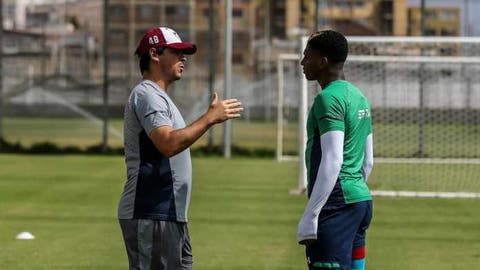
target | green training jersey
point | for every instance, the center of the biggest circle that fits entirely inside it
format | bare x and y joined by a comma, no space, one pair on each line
340,107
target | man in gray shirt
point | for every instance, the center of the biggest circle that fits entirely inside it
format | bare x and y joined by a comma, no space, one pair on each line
154,204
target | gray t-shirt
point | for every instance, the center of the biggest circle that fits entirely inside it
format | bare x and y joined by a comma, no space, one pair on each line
157,187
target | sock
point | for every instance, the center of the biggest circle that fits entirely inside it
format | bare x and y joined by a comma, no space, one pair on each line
358,258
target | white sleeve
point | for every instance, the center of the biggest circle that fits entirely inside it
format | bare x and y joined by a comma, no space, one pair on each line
330,165
368,159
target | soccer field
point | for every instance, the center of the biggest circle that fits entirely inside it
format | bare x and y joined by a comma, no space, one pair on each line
241,217
391,140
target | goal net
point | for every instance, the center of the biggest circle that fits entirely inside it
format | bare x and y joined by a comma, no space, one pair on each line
425,97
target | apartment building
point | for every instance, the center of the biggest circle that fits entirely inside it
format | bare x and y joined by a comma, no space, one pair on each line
359,17
242,31
439,21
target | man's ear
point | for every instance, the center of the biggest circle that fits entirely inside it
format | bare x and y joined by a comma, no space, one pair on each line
153,54
323,61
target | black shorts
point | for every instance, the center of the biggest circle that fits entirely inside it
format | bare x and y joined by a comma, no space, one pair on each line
341,229
155,244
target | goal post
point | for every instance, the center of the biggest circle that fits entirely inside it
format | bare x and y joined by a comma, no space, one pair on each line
282,58
425,95
302,119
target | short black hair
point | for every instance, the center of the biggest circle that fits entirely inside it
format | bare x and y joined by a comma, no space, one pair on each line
330,44
144,62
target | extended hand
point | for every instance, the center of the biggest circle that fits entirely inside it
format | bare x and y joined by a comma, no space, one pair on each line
224,110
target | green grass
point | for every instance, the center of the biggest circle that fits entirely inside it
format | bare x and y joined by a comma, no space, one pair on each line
440,141
391,140
426,177
241,217
72,131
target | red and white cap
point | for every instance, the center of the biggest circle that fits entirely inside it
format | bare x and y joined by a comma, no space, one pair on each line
163,37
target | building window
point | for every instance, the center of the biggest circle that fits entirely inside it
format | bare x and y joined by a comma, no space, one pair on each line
36,19
177,10
343,4
206,12
359,3
447,32
237,12
347,4
171,10
177,14
430,14
10,43
430,32
387,27
147,13
387,7
237,58
118,12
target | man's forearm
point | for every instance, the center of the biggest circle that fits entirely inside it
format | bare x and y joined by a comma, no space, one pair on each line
181,139
171,142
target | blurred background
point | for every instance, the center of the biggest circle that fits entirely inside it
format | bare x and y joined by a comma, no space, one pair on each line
57,68
68,66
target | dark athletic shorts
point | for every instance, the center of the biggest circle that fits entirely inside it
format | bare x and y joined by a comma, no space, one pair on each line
341,229
157,245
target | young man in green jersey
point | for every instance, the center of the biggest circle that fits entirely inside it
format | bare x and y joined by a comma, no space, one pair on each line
339,159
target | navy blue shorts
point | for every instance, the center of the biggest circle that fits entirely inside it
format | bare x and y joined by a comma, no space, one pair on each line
341,229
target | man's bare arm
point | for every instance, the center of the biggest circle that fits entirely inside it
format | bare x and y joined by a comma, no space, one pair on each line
171,141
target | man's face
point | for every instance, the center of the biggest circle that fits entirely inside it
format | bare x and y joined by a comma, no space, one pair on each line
172,63
312,63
